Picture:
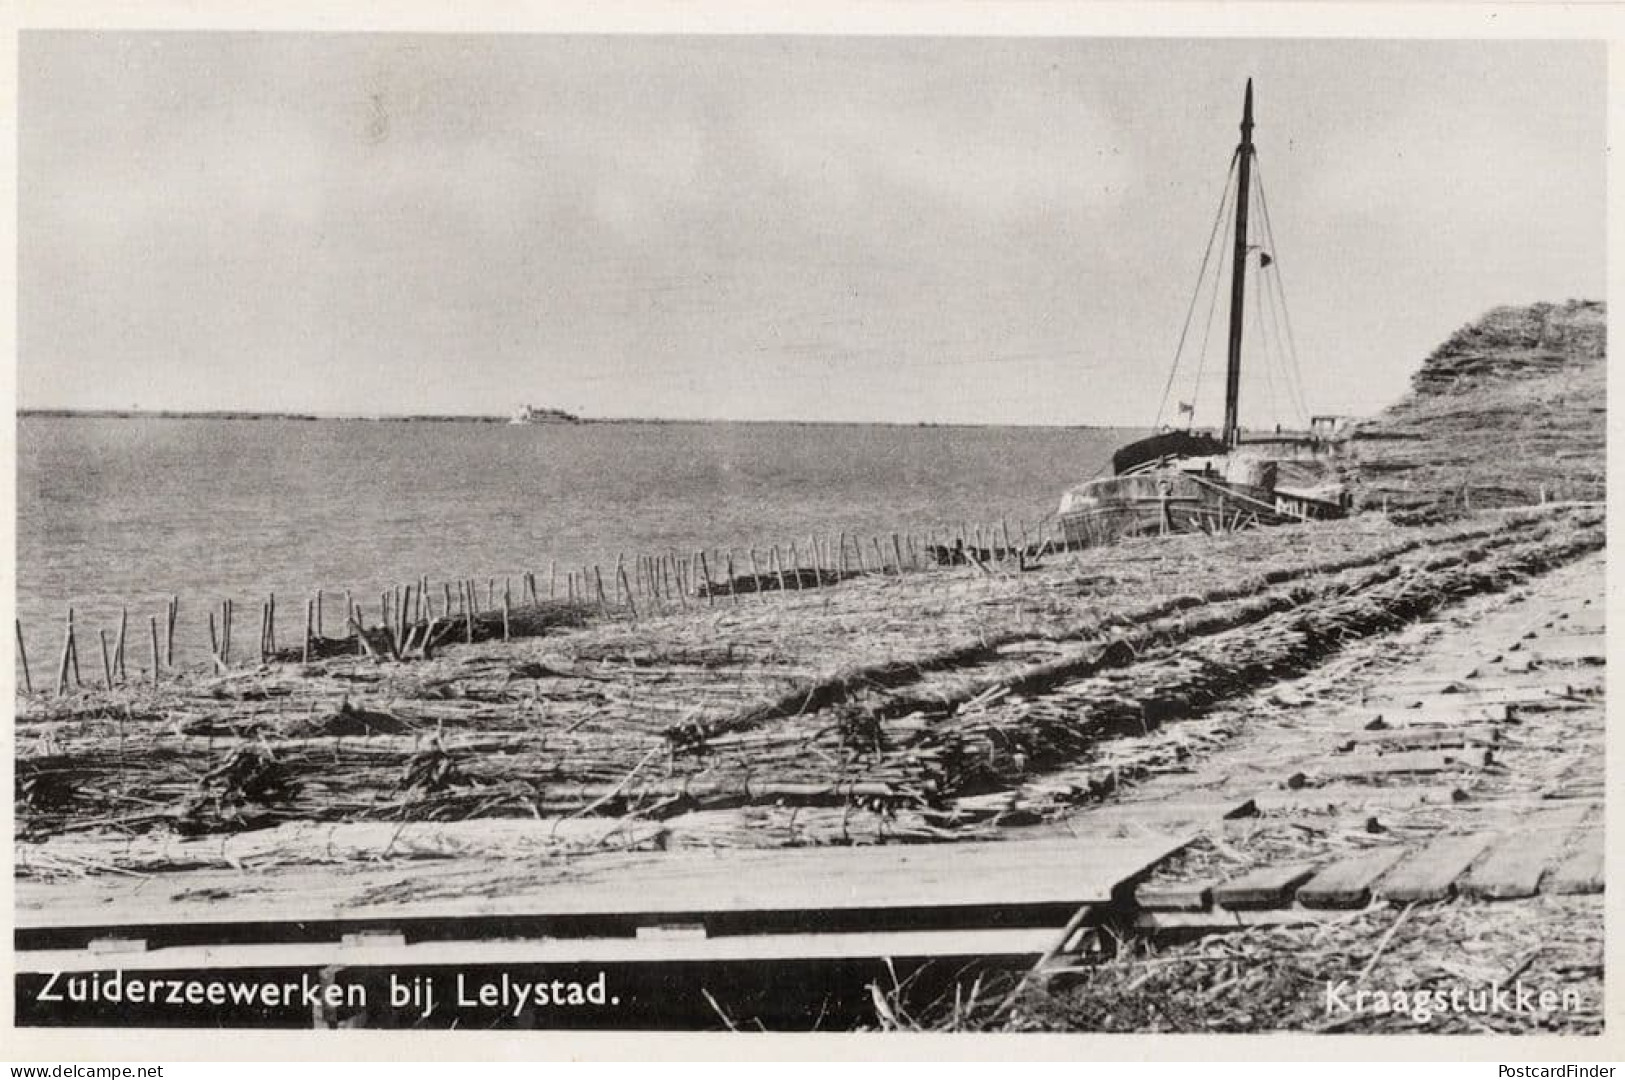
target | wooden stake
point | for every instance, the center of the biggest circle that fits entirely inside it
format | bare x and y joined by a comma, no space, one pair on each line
857,546
310,627
552,578
107,660
152,623
225,632
22,651
733,582
603,605
361,633
841,568
620,569
73,650
214,643
755,574
795,562
897,550
169,635
504,614
118,653
880,559
705,569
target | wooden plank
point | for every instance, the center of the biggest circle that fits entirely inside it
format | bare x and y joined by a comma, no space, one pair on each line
1547,694
1350,797
1578,622
1348,883
648,886
897,945
1270,886
1405,762
1186,896
1574,649
1498,693
1514,865
1511,869
1582,871
1233,918
1430,874
1164,814
1446,715
1426,738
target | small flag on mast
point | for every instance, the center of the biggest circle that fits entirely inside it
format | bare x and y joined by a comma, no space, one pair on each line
1186,408
1264,259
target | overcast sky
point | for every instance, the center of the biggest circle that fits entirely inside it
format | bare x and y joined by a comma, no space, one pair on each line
967,230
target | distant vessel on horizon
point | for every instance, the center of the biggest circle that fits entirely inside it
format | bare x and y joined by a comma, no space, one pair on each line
530,414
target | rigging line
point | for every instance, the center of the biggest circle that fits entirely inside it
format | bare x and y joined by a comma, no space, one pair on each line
1289,370
1286,313
1271,288
1207,331
1270,330
1295,391
1197,292
1264,349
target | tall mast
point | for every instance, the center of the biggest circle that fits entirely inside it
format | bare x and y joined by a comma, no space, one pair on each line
1238,276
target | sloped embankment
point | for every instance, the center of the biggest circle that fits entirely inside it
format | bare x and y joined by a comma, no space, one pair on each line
1510,410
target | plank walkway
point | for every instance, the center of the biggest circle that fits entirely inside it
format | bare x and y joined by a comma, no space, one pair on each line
671,904
1421,742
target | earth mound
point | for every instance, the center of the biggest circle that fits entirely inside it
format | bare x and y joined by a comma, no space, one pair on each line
1510,410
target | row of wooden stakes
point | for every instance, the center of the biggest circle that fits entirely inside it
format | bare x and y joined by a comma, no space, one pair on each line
415,619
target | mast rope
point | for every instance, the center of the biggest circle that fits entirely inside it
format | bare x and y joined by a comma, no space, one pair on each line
1280,355
1207,331
1280,286
1271,341
1201,274
1264,350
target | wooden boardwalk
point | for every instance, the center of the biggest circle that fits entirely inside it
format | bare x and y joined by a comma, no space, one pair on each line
812,902
1413,745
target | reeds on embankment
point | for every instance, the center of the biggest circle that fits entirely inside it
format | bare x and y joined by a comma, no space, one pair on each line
911,707
1511,410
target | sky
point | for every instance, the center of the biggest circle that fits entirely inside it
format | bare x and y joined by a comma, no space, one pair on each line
904,229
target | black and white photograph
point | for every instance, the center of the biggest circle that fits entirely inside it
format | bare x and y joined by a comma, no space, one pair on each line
827,532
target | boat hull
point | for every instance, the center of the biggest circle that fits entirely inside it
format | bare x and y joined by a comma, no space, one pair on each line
1167,501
